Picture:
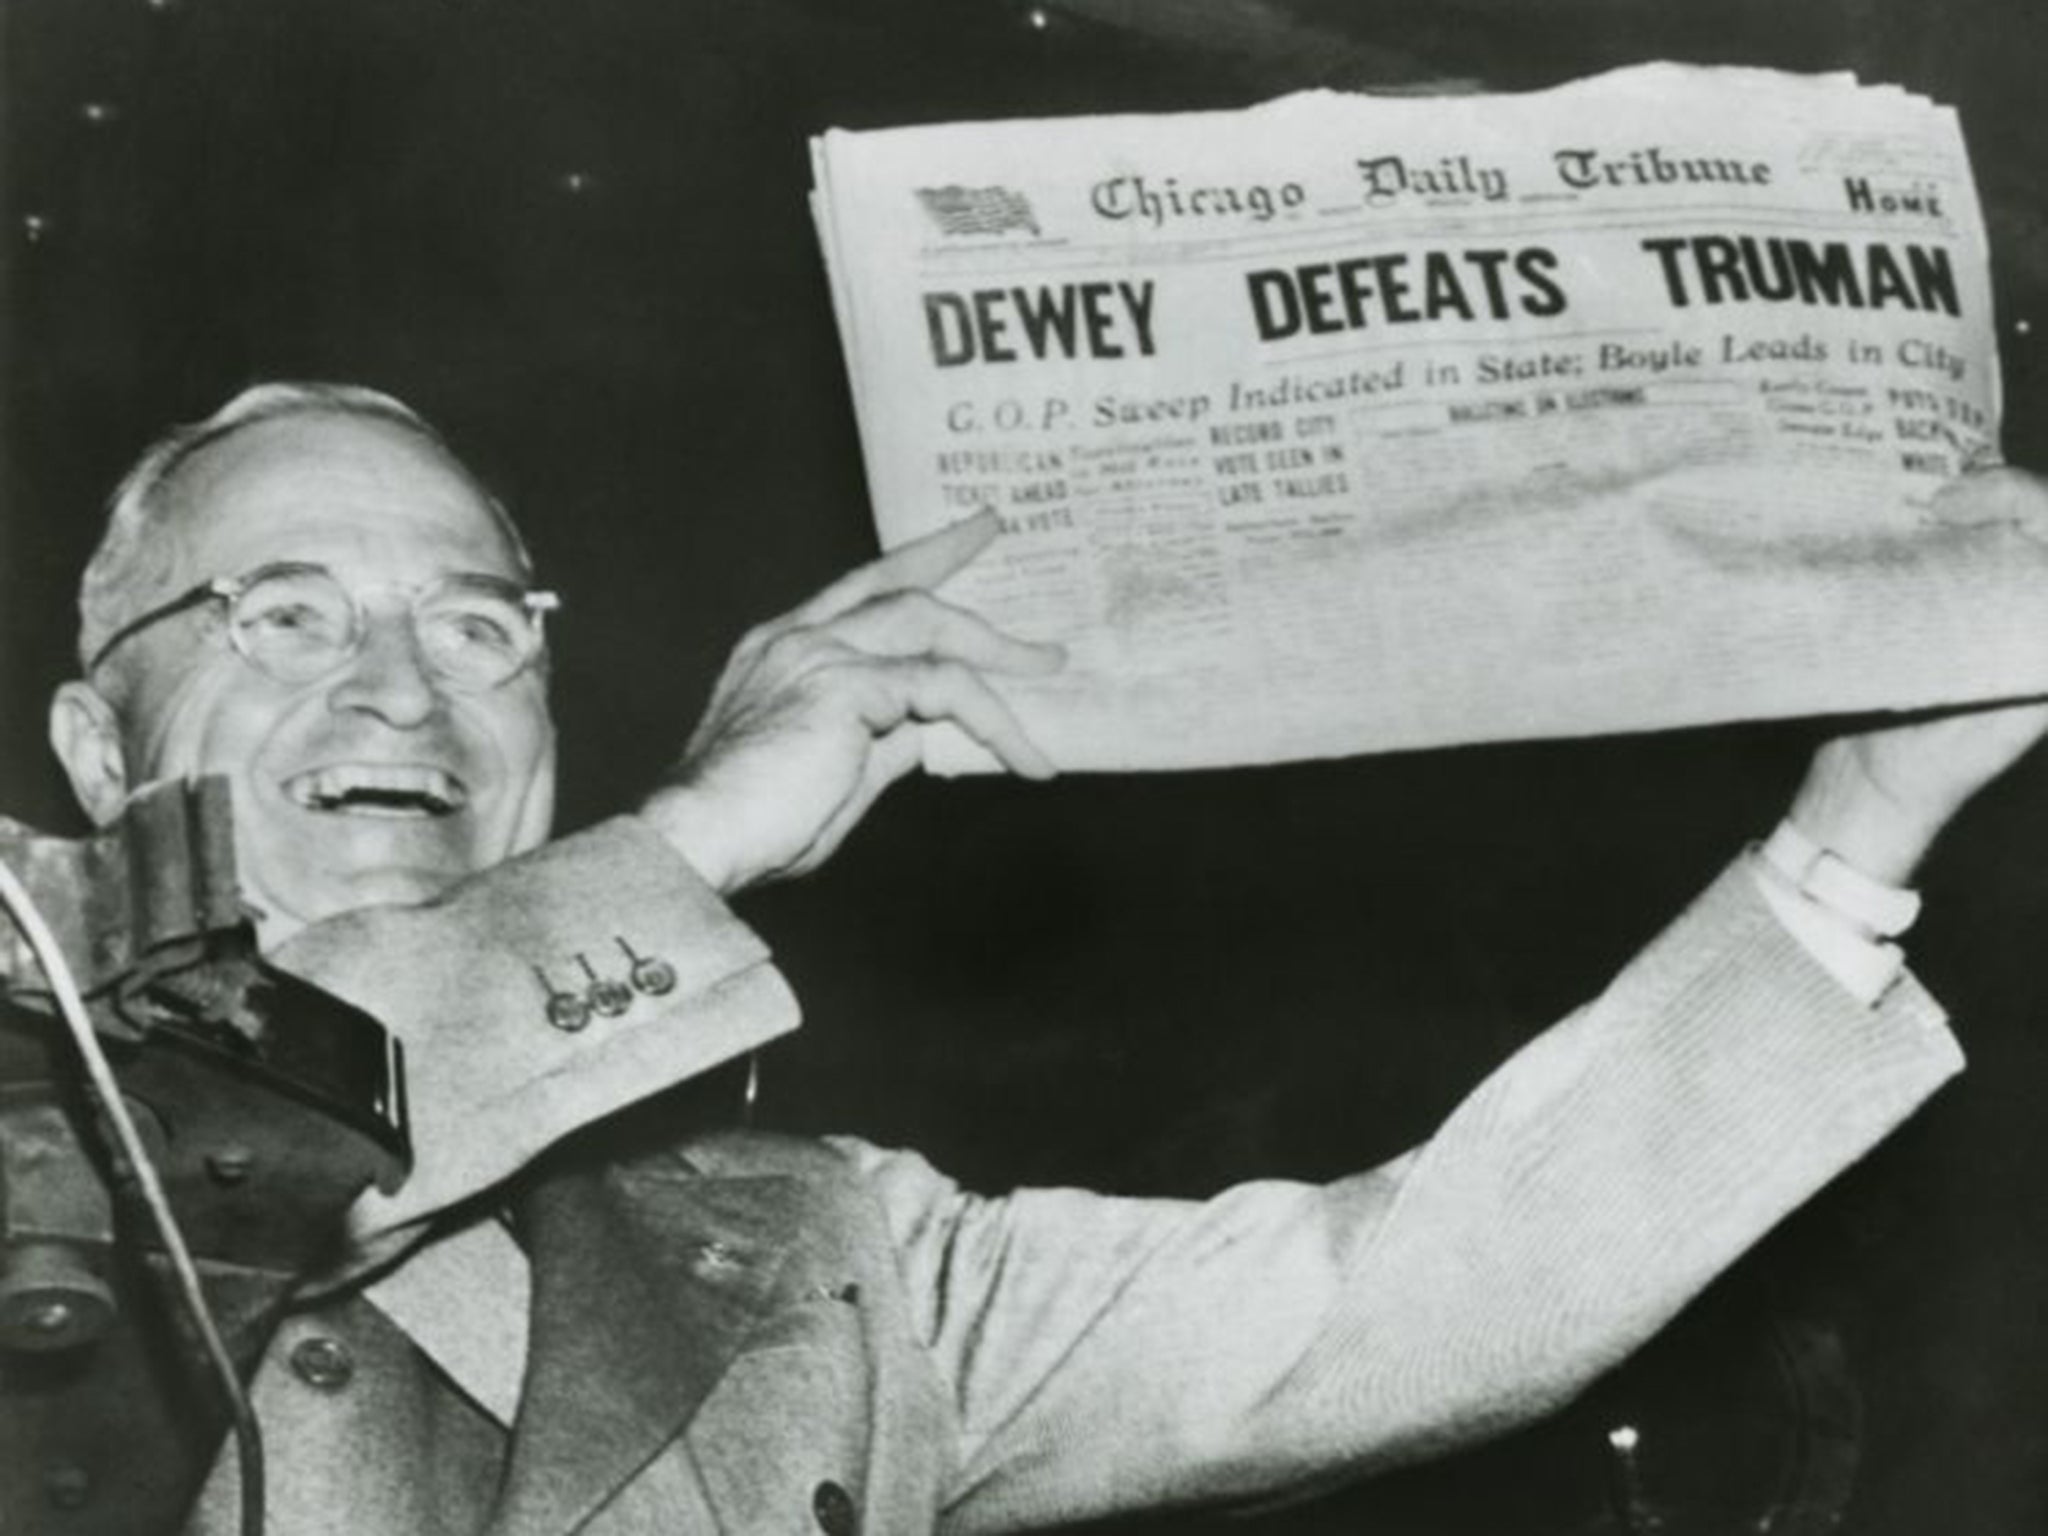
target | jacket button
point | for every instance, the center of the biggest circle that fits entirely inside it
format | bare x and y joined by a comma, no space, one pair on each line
323,1363
656,977
567,1011
609,998
833,1506
67,1486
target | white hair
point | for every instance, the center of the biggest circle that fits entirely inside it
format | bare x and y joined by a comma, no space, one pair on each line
133,559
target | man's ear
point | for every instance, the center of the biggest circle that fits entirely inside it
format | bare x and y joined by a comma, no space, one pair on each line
86,734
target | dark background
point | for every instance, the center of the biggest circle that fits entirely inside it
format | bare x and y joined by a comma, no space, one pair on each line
574,235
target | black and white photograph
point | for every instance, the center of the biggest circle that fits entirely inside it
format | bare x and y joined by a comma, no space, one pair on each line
939,767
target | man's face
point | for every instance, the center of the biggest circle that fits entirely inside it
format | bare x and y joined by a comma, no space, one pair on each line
379,782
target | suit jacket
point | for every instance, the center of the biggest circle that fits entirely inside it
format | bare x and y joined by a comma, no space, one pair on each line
755,1334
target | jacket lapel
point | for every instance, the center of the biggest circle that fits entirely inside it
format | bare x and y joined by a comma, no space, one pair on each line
646,1285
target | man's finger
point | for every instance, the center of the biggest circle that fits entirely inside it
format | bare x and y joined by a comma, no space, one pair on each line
906,689
916,623
1996,490
922,562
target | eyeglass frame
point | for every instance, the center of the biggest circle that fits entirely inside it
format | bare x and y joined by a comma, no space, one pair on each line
228,590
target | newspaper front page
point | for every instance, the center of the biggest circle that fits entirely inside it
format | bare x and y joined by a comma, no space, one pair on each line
1344,424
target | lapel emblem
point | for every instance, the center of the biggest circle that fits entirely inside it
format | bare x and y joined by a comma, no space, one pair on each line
648,1283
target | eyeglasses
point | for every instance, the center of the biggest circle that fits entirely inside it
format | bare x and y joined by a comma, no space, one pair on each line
297,623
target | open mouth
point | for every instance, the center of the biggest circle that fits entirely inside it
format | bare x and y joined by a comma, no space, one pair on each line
378,789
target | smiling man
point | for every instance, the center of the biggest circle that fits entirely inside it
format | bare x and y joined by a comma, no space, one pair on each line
310,596
299,537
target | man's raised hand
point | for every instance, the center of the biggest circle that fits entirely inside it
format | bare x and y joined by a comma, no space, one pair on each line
1879,798
815,713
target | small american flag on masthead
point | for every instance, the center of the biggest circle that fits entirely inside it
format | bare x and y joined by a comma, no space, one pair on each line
978,210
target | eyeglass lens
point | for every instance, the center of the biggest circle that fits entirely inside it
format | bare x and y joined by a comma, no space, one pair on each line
299,625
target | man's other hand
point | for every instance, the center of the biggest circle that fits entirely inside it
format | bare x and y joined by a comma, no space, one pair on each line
814,714
1878,799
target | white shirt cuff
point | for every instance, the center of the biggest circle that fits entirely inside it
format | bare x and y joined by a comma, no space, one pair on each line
1841,934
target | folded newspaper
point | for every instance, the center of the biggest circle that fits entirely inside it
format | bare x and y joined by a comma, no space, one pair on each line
1344,424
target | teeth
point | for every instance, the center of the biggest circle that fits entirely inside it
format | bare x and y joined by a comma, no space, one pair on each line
378,789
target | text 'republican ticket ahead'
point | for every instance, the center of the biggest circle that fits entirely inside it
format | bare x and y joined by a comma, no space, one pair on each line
1344,424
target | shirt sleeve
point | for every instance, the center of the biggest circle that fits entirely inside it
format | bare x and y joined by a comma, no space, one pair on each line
1105,1354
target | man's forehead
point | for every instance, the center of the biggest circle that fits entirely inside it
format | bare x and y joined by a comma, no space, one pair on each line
318,477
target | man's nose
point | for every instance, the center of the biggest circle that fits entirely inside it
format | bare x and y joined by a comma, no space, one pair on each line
387,676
